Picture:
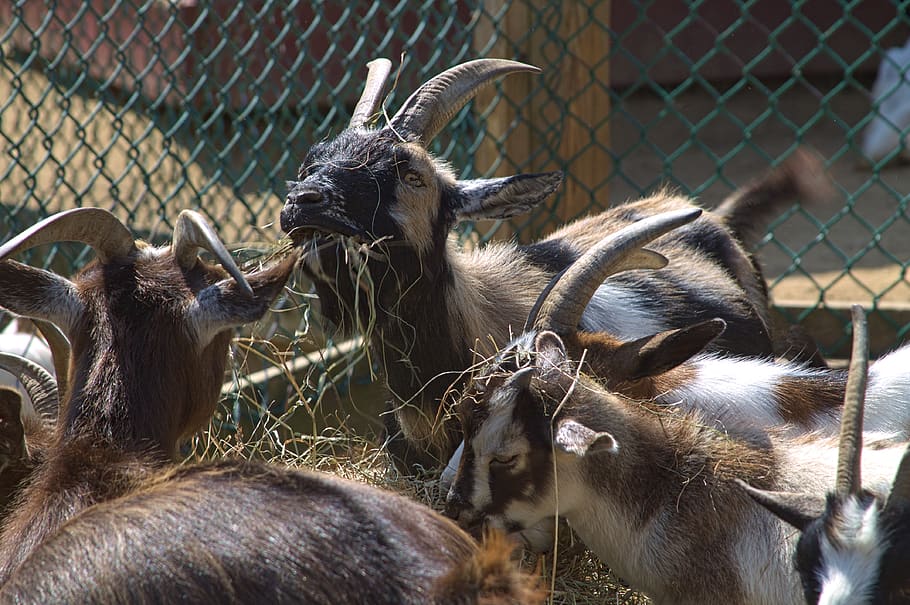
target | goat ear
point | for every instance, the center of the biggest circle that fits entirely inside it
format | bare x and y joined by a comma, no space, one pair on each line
575,438
504,197
664,351
799,510
39,294
550,350
227,304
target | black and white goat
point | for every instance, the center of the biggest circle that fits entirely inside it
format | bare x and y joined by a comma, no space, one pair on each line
651,489
857,550
374,211
107,517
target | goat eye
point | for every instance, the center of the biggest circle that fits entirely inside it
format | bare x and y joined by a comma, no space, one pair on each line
413,179
504,461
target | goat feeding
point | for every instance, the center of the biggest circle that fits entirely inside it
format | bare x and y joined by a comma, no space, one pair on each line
106,518
374,210
651,489
150,329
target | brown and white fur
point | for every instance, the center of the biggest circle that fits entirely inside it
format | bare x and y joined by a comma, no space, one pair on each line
428,304
150,329
651,489
854,546
246,532
108,517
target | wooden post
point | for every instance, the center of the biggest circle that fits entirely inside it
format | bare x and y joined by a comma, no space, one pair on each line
563,127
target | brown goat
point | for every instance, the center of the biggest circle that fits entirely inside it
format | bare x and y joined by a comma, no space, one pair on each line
108,516
244,532
24,438
150,329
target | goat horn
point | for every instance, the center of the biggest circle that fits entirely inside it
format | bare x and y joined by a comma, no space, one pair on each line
900,490
851,426
192,232
95,227
40,386
437,101
377,74
60,352
562,307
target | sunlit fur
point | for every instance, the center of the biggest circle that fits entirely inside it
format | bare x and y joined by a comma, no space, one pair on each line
734,391
374,215
661,504
858,550
143,377
246,532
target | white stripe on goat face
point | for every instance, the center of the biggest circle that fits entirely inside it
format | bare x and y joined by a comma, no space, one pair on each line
852,556
499,438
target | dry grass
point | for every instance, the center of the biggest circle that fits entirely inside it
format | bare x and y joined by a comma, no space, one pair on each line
313,430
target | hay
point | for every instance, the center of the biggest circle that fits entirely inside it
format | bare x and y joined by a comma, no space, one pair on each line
313,429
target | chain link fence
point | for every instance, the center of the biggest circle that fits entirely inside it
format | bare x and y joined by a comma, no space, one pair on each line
148,107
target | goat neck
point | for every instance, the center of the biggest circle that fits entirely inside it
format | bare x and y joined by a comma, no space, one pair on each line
150,329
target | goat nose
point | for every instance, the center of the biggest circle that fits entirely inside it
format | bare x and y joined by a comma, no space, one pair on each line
455,504
304,196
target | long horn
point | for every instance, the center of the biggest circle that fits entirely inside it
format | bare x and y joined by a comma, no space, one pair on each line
40,386
377,73
849,480
192,232
95,227
562,308
437,101
60,352
900,490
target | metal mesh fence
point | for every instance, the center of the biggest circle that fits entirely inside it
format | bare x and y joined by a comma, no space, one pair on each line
149,107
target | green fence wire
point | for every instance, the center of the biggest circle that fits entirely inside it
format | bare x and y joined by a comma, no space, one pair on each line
149,107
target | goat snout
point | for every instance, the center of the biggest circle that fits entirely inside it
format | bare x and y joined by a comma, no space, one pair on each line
455,504
304,195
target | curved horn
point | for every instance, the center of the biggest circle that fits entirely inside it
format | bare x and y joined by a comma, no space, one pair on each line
563,306
40,386
60,352
437,101
95,227
377,74
192,232
851,427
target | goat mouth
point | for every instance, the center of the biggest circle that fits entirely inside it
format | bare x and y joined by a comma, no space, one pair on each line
306,233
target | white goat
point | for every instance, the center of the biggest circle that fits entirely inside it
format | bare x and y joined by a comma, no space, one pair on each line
651,489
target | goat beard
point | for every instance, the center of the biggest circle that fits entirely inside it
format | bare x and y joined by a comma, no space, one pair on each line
343,270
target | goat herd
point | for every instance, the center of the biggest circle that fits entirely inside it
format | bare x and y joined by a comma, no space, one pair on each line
648,399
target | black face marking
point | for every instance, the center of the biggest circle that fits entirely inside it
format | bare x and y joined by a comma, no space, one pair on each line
346,186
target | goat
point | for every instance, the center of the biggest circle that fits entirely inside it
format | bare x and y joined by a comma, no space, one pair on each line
51,356
24,438
651,489
858,550
150,329
670,368
374,211
246,532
